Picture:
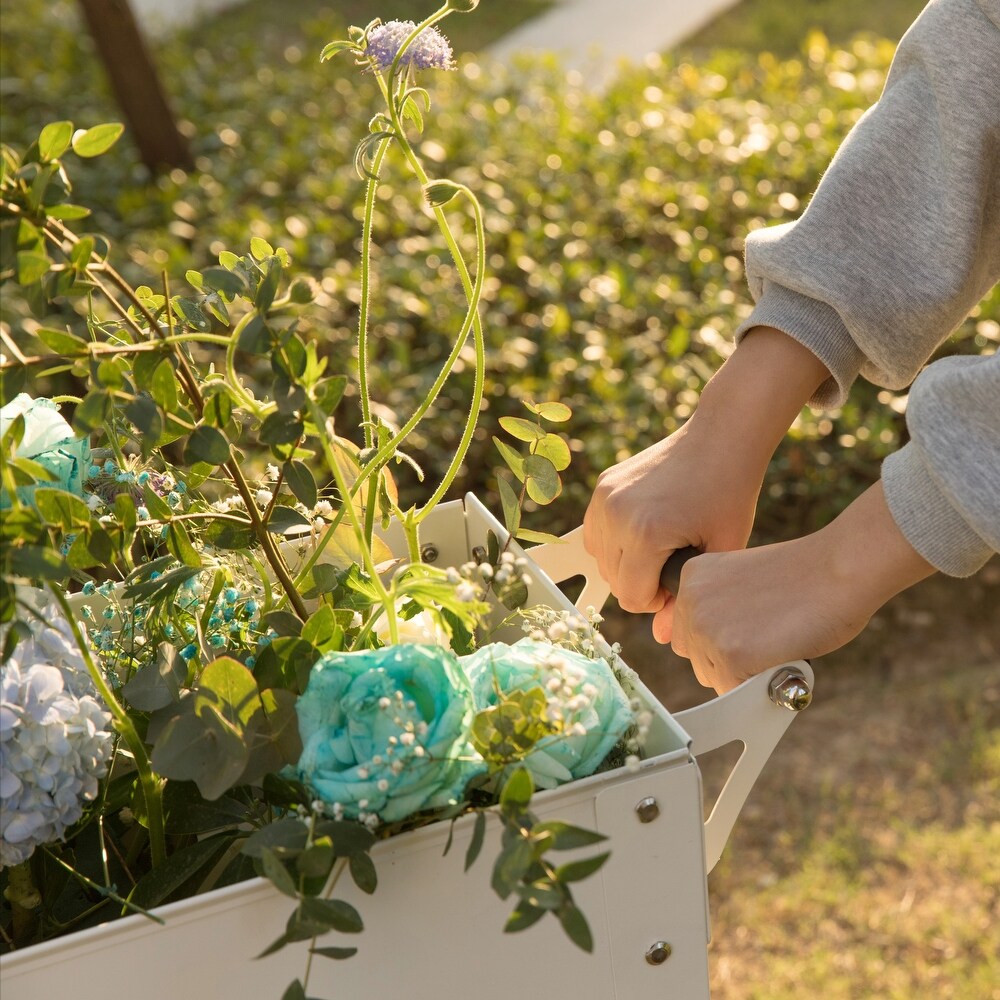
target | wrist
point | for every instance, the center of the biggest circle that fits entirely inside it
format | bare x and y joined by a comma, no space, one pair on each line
867,556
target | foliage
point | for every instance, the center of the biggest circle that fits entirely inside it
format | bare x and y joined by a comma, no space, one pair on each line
206,591
615,223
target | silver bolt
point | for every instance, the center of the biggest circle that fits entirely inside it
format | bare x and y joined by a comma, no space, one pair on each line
658,953
647,809
429,552
789,689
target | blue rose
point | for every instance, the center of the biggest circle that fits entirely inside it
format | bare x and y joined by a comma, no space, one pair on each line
583,696
48,440
385,731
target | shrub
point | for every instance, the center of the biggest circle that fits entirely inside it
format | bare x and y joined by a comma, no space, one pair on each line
615,221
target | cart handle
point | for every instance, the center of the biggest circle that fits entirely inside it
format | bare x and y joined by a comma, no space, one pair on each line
756,713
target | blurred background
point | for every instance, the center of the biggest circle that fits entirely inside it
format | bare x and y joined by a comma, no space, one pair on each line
617,198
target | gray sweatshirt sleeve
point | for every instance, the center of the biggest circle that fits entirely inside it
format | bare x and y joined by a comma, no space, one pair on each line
900,241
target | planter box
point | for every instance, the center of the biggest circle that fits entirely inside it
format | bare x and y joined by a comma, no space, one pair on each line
435,933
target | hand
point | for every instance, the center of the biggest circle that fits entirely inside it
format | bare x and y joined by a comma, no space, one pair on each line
738,613
700,485
693,488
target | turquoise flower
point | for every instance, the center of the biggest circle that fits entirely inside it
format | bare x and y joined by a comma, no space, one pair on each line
385,731
49,441
583,696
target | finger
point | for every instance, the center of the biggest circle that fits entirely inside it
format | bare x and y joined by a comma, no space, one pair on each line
663,620
639,581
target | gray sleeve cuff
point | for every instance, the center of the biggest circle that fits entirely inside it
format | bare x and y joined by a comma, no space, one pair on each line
927,518
817,326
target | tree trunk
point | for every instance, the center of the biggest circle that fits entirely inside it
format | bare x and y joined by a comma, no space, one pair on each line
136,84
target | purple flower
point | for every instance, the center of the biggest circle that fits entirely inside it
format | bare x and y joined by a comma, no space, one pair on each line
429,50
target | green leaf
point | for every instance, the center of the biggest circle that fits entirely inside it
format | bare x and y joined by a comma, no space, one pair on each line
206,444
575,925
179,545
54,140
476,843
160,882
67,213
202,748
316,861
287,834
557,413
260,248
348,836
218,407
555,449
148,420
268,287
283,517
32,267
541,537
511,866
523,917
332,48
62,508
338,953
281,428
295,991
511,505
523,430
231,690
37,563
577,870
229,283
317,916
163,385
363,872
157,683
517,789
514,461
566,837
301,482
97,140
542,480
278,874
62,341
229,535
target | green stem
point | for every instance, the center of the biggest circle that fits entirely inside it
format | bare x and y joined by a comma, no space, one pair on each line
385,598
148,781
371,189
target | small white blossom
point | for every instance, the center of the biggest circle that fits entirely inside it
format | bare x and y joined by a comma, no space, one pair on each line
263,497
272,472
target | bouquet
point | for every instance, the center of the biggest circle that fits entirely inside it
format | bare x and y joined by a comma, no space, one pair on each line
226,649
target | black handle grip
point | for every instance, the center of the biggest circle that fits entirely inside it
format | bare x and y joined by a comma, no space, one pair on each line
670,575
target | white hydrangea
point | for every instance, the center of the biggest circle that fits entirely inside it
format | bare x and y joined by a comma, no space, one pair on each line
55,742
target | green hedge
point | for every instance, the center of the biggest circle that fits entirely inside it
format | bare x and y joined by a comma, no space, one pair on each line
615,222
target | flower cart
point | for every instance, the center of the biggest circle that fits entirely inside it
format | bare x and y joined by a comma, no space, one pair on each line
434,931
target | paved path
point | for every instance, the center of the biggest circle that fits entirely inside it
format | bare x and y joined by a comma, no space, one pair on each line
594,35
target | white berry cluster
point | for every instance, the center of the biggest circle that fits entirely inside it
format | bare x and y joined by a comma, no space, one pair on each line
55,742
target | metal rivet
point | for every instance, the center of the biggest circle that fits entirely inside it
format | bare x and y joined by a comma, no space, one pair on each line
789,689
647,809
478,554
429,552
658,953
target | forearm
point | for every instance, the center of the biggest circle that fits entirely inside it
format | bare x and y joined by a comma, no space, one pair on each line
752,400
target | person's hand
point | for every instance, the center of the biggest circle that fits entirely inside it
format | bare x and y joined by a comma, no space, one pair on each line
738,613
700,485
693,488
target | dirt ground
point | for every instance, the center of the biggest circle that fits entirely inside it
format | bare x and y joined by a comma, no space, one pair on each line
866,862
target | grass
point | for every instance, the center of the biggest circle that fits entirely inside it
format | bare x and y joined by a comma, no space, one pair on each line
781,27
